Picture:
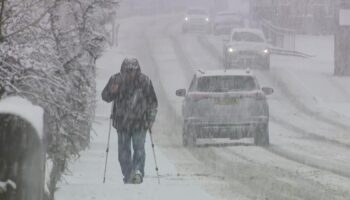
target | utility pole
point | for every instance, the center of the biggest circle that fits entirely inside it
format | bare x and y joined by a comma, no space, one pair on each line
342,39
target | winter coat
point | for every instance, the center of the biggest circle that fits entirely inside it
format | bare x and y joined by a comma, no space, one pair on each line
134,104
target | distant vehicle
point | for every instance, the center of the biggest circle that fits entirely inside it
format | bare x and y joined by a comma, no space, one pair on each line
196,19
224,22
247,48
225,104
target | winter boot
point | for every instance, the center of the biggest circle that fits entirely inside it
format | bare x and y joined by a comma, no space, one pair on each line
137,177
127,180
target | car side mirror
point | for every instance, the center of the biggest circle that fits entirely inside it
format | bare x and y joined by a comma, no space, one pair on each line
267,90
181,92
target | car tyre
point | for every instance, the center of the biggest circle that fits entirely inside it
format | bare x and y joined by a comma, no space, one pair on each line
209,30
227,63
184,30
261,137
215,31
189,138
266,63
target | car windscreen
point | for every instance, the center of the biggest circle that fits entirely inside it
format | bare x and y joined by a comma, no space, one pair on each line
246,37
226,84
197,12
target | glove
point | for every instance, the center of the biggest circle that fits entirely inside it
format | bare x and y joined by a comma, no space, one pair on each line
150,126
3,187
11,184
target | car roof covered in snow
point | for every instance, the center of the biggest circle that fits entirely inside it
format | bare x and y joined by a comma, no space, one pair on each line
197,9
231,72
250,30
26,110
228,13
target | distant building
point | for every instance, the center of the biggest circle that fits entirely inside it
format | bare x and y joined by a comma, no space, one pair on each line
306,16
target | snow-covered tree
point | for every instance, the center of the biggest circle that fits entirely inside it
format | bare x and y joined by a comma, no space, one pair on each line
48,50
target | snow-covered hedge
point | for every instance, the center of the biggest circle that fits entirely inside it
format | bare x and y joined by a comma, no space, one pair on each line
48,50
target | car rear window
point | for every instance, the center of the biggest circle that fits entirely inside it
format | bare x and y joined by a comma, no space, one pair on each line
246,37
226,84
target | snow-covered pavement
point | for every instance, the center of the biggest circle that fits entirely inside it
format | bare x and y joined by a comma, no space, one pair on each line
86,173
309,156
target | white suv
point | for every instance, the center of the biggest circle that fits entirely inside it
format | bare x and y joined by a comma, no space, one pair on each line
225,104
247,48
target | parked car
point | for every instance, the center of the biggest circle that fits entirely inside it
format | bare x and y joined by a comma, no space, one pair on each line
225,104
247,48
224,22
196,20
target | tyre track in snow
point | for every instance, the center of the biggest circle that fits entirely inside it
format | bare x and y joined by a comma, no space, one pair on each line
280,151
276,150
284,90
170,140
302,108
173,135
178,47
215,53
206,156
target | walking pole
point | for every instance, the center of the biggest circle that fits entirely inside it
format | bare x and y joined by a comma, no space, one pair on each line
107,150
154,155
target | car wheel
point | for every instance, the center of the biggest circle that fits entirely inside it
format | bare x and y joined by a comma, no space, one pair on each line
184,30
266,63
227,63
209,30
189,138
261,137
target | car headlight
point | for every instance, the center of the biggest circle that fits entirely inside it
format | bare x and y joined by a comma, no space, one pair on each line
231,50
186,18
207,19
266,51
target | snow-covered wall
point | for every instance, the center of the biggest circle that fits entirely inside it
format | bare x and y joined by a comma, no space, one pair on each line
25,109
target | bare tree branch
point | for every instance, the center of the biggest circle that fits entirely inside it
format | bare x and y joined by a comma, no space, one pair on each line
29,25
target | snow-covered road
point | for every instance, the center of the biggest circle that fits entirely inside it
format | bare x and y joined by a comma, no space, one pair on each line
310,153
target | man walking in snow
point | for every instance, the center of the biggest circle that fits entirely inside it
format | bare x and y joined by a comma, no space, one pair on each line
134,111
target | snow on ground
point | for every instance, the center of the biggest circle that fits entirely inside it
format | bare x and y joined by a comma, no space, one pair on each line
309,81
85,179
297,166
295,144
321,47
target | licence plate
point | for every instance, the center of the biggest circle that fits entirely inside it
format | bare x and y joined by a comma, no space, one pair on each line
227,101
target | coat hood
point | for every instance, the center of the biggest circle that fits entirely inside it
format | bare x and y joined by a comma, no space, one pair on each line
130,65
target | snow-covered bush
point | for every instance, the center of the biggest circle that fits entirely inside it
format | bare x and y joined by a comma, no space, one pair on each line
48,50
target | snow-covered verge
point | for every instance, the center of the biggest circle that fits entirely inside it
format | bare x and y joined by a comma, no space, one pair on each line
85,179
25,109
47,55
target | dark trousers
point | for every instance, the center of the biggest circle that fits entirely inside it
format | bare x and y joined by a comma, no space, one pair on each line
129,163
